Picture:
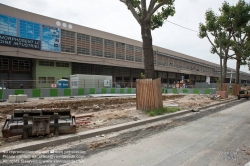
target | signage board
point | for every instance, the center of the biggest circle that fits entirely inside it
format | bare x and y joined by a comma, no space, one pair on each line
208,79
51,38
107,83
19,42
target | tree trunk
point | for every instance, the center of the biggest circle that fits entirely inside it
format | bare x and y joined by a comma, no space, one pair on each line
237,73
147,49
224,76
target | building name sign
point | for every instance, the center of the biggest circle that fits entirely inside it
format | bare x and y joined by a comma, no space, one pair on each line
19,42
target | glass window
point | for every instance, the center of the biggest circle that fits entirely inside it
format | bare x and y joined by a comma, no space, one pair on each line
120,50
109,48
96,46
42,79
46,63
29,30
129,52
8,25
62,64
51,80
83,44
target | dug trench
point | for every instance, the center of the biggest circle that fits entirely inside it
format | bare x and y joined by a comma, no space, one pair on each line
104,111
101,143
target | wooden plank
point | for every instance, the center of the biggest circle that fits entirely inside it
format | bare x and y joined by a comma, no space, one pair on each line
224,87
157,93
235,89
148,94
83,115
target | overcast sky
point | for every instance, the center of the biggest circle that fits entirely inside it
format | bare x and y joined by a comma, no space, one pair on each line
114,17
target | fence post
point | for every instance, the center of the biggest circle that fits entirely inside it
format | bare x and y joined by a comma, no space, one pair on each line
2,88
41,91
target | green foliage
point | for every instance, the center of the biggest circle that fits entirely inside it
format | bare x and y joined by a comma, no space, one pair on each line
241,36
157,12
135,3
158,19
143,76
150,16
218,81
161,111
229,31
219,28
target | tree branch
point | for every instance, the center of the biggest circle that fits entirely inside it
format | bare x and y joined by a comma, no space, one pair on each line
212,43
144,8
244,37
131,8
156,8
231,56
152,5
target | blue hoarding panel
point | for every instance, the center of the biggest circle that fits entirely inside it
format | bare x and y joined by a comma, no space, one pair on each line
29,30
51,38
8,25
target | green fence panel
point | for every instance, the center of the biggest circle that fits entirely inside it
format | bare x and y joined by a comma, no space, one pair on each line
184,90
196,91
1,94
112,90
175,91
81,91
104,91
67,92
122,91
53,92
36,93
19,91
230,91
129,90
92,91
164,90
207,91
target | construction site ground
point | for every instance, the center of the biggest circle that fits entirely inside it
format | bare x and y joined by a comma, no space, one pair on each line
102,112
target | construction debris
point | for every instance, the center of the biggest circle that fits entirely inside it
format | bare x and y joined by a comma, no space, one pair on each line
14,138
83,119
91,113
215,97
39,122
195,109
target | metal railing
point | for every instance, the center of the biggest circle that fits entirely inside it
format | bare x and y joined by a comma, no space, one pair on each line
86,83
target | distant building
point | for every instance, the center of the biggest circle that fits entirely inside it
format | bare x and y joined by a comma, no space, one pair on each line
35,47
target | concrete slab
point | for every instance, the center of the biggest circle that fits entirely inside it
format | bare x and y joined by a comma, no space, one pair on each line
111,95
171,105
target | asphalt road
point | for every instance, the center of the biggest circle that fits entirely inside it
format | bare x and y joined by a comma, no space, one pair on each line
221,139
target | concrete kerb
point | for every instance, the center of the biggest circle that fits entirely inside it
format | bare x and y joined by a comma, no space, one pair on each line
55,141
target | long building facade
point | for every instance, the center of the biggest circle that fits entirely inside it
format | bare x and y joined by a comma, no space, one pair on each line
35,47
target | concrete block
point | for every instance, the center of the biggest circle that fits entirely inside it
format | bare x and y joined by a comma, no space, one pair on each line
21,98
12,99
